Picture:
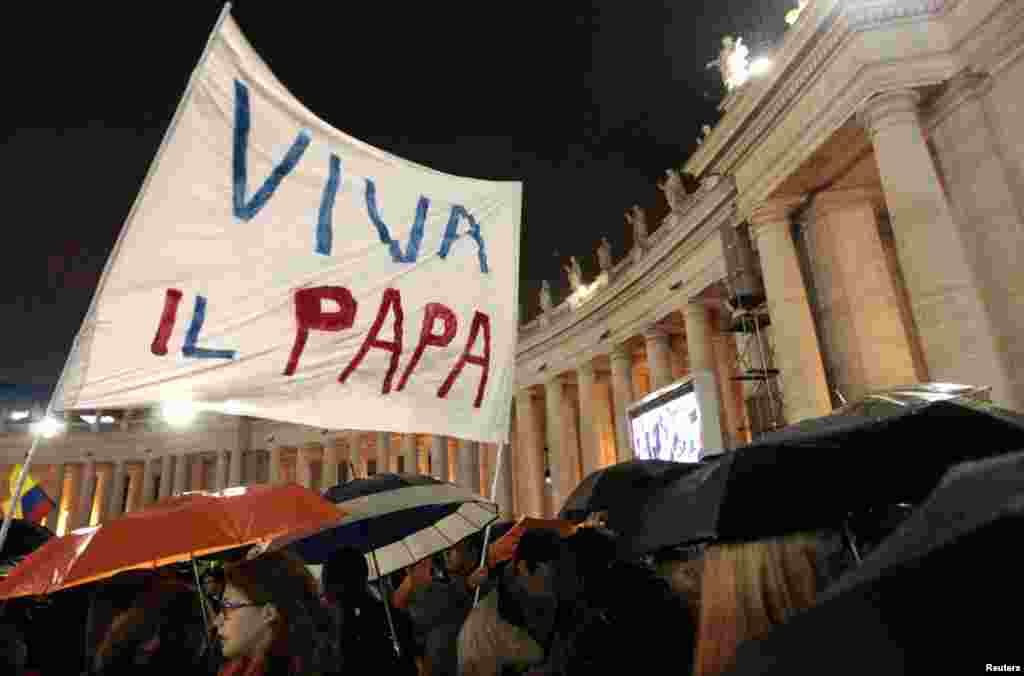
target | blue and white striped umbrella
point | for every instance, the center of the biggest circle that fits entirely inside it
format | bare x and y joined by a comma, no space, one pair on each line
398,519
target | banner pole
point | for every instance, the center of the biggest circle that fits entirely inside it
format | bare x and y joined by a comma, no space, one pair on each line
487,531
106,268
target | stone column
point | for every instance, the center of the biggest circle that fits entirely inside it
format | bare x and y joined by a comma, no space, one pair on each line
529,457
235,467
558,454
329,466
797,356
195,477
244,438
303,464
659,357
274,473
383,452
409,462
623,394
357,454
734,412
180,474
863,336
506,485
590,441
222,470
701,354
604,422
87,494
469,465
166,476
148,494
570,442
53,518
956,332
115,499
439,458
74,497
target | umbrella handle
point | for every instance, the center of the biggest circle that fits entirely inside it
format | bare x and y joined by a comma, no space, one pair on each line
387,604
202,605
848,536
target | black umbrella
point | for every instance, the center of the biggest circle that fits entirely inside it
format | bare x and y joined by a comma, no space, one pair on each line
23,538
620,488
933,593
625,492
814,475
683,511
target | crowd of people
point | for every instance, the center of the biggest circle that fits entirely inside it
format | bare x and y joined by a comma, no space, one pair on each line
561,605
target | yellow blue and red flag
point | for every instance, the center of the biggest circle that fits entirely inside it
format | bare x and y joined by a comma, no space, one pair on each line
35,503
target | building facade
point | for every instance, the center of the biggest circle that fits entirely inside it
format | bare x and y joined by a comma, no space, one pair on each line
867,191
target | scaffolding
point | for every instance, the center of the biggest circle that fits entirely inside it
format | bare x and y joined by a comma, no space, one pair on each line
755,362
746,315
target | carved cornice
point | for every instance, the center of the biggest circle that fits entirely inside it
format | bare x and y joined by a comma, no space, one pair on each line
718,153
786,90
867,14
690,266
633,277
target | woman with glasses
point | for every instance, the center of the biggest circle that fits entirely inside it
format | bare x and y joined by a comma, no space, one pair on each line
271,621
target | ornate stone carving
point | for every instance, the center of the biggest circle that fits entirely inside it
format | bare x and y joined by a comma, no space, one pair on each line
732,62
705,131
604,255
575,274
672,187
637,219
545,297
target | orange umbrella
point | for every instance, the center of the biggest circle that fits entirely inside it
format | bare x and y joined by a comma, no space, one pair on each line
178,529
504,548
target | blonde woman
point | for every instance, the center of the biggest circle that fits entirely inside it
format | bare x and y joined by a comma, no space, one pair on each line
749,588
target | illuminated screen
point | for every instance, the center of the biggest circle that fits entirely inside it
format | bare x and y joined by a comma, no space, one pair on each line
668,428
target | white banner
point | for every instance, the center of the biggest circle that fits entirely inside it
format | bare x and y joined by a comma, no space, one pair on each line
278,268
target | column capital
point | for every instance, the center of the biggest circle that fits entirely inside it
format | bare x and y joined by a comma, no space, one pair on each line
773,212
899,106
621,352
654,332
694,307
586,367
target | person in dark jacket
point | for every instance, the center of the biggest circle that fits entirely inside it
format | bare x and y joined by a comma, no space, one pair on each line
366,641
13,651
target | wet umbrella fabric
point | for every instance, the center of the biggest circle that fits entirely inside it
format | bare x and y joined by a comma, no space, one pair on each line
401,518
930,594
682,512
174,530
650,503
813,475
621,489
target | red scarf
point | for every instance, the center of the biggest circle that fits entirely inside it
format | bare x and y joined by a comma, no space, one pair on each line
242,666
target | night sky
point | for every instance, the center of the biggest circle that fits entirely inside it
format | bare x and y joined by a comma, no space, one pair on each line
586,102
